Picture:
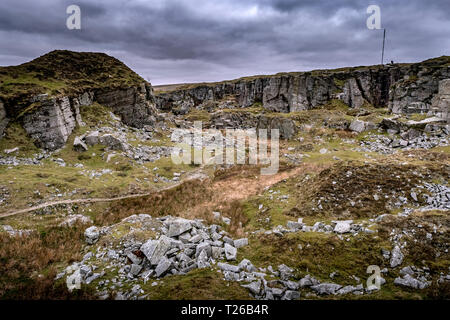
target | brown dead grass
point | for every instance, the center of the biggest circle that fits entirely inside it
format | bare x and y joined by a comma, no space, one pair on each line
167,202
196,199
27,264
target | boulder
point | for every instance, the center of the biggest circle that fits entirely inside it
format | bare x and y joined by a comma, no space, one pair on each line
409,281
357,126
178,227
291,295
342,226
227,267
326,288
230,252
246,265
92,138
114,142
111,141
204,246
202,260
285,271
254,287
396,257
163,266
308,281
79,145
92,235
239,243
155,250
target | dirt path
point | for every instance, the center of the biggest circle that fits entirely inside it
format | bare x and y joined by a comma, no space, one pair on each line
229,189
194,175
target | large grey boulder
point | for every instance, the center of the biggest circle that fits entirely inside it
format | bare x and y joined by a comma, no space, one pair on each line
409,281
254,287
92,138
357,126
202,260
155,250
227,267
396,257
308,281
114,142
246,265
164,264
204,246
342,226
178,227
285,272
230,252
79,145
92,235
361,126
239,243
291,295
326,288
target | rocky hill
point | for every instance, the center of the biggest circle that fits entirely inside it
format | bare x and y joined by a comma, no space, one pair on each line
45,94
405,88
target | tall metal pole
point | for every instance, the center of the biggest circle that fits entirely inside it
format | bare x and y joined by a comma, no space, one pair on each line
382,52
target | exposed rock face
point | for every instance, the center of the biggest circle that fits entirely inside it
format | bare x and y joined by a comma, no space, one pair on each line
134,105
404,88
3,119
51,123
419,83
247,120
441,102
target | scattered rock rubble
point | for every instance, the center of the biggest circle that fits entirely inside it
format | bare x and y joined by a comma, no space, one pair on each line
180,246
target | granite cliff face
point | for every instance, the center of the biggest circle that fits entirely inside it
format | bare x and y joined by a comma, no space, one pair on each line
405,88
81,79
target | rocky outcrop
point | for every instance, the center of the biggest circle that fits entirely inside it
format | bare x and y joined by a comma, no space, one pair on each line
418,85
3,119
247,120
50,122
404,88
134,105
441,102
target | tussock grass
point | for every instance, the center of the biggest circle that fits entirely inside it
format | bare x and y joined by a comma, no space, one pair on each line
28,263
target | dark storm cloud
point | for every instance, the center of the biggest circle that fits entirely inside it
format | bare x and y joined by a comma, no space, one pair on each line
205,40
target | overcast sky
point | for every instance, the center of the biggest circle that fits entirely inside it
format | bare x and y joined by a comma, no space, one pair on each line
175,41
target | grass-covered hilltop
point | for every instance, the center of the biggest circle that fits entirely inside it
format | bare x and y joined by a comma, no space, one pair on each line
89,192
63,72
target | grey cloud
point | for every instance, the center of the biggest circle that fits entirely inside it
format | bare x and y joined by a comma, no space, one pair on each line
183,40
